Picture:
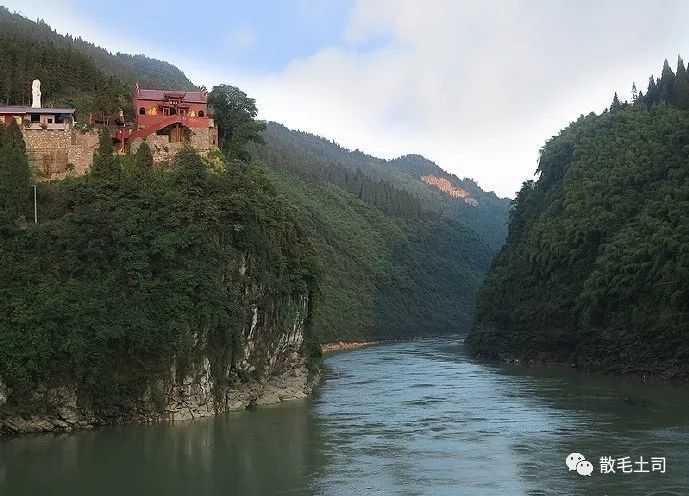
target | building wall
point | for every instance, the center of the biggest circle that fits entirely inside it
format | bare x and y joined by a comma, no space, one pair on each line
56,154
153,113
203,140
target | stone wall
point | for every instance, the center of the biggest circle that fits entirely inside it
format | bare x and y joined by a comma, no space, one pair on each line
59,153
203,140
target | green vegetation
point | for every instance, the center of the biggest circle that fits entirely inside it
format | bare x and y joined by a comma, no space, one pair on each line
391,266
595,270
15,174
394,186
235,115
133,270
73,72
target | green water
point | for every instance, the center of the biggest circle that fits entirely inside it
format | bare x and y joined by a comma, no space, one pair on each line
416,418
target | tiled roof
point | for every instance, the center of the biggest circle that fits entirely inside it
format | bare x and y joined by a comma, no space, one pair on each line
187,96
20,109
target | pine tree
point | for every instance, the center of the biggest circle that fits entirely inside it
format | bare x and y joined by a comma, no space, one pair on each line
652,92
635,94
615,105
667,81
105,164
15,173
680,88
144,156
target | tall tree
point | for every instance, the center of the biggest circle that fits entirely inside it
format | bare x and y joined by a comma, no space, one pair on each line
105,164
652,92
680,88
15,173
667,81
615,105
235,115
144,156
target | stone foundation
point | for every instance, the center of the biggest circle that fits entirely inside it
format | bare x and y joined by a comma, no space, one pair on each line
60,153
200,139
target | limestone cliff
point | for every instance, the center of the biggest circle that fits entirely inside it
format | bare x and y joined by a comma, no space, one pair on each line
268,365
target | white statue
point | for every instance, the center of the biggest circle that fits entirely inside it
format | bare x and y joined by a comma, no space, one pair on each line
36,94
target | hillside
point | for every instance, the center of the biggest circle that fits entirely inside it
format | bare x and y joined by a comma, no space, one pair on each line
402,244
395,260
73,71
481,211
595,270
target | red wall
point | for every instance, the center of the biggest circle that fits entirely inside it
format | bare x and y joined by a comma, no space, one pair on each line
147,120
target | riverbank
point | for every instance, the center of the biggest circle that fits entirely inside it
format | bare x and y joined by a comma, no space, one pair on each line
292,384
345,345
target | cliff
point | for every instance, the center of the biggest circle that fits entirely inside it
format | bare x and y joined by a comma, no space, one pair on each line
145,295
271,367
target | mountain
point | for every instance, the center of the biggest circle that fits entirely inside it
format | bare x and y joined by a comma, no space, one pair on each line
595,270
481,211
398,257
402,244
73,71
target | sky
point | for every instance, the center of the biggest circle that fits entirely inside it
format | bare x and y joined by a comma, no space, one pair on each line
476,86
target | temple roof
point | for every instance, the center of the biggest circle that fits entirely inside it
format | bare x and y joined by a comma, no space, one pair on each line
22,109
185,96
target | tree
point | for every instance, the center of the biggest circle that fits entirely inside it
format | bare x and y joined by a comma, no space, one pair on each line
615,105
235,115
144,156
104,163
680,87
652,92
15,173
635,94
667,81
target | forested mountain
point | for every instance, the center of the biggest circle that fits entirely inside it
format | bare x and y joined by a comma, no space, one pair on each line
407,177
401,244
73,71
595,270
397,257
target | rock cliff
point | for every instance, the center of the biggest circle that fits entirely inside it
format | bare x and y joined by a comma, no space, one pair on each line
269,366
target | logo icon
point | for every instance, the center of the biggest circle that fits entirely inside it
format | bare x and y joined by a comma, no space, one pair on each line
577,461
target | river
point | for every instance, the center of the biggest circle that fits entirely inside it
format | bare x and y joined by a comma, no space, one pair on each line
413,418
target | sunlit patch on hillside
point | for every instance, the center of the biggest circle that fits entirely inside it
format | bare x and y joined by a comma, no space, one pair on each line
447,187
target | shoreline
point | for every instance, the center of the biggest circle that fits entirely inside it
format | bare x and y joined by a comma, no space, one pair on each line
345,345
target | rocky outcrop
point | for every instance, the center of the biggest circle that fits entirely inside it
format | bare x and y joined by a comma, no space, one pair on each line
449,189
271,367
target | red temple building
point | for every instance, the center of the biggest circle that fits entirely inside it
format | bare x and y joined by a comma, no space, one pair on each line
180,116
168,120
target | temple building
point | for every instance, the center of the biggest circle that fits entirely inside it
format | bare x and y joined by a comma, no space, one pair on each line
168,120
38,118
171,119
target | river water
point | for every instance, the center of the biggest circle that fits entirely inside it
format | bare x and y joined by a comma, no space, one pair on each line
414,418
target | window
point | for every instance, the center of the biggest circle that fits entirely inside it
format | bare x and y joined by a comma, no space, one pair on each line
142,111
50,120
201,113
35,118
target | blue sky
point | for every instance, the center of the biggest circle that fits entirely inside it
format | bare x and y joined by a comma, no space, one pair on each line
477,87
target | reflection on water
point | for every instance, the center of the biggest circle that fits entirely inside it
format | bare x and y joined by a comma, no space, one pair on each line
410,418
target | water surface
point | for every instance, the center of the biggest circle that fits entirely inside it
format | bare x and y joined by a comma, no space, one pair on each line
415,418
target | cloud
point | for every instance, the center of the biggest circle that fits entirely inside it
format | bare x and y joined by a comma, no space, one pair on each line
478,87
